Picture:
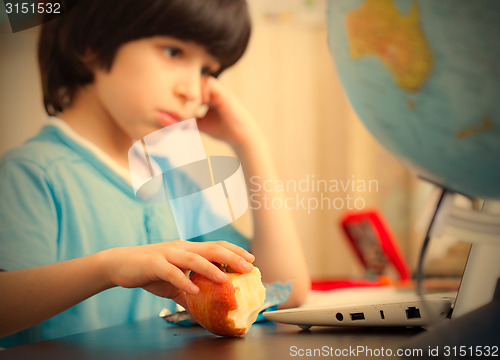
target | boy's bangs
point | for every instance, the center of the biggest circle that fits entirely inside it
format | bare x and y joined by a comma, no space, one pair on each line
221,26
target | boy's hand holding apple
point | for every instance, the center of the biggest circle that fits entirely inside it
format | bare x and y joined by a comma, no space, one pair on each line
163,268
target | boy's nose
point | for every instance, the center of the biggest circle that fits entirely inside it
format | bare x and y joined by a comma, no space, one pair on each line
185,92
188,87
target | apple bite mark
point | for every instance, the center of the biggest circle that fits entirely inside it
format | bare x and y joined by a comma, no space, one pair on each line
250,301
230,308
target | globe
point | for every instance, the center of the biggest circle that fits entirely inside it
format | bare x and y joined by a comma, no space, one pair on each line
424,78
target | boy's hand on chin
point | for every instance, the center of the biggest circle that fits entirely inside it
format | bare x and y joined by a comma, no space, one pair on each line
227,118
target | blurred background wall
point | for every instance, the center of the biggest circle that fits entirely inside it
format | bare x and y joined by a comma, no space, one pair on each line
288,80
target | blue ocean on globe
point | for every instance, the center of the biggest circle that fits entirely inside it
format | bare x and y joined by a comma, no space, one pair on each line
424,78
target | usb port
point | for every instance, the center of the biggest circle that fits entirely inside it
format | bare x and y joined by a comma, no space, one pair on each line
413,313
357,316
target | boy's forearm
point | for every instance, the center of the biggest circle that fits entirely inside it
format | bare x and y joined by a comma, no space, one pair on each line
276,244
33,295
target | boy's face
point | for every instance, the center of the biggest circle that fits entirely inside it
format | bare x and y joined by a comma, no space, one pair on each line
153,82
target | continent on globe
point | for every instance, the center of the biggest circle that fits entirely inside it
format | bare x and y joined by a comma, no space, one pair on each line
377,28
486,125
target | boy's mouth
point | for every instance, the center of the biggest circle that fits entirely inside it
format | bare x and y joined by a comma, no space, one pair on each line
168,118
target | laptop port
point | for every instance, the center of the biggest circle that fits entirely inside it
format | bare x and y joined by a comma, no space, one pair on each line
413,313
382,316
339,316
357,316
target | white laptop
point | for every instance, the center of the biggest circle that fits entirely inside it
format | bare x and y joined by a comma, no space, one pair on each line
367,307
386,306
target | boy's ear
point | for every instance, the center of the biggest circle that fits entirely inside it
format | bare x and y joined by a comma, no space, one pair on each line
90,60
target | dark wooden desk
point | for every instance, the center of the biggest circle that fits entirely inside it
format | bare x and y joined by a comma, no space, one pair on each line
155,339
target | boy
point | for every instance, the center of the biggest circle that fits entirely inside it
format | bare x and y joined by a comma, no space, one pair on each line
70,225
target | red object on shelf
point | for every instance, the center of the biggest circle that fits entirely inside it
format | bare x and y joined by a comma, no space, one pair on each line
329,284
374,243
375,247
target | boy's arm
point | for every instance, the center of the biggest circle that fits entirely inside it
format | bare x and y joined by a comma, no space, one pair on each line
33,295
276,244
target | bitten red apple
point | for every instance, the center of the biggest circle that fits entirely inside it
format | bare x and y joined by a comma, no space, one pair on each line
230,308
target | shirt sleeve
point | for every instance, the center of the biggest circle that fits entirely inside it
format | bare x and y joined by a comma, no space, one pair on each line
28,216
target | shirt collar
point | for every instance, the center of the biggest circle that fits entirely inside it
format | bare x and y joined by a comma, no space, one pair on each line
101,155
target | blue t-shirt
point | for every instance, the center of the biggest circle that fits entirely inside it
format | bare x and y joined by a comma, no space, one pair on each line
59,201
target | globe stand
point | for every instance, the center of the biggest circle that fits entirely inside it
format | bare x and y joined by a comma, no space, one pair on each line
473,335
474,327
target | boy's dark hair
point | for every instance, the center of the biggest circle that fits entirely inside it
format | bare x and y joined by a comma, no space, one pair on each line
102,26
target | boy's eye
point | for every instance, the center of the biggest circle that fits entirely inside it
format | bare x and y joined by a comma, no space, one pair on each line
172,51
206,71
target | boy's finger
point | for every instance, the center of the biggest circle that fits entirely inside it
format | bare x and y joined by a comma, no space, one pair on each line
172,274
200,265
210,247
181,299
237,250
220,252
229,254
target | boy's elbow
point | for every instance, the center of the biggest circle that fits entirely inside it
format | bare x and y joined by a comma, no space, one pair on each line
298,295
